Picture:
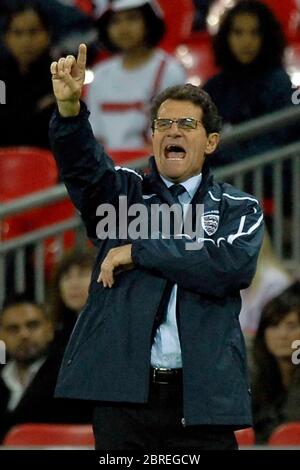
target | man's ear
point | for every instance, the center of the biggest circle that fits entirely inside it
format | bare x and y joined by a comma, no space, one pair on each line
212,142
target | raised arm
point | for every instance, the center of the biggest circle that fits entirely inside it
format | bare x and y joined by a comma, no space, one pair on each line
87,171
68,78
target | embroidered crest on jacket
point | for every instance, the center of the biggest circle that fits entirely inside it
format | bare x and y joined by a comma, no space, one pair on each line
210,223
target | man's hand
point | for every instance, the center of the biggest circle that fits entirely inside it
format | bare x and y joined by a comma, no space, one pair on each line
116,257
67,79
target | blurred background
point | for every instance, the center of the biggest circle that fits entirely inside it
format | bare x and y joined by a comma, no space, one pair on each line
246,55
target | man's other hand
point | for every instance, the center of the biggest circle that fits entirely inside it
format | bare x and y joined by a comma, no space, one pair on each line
119,257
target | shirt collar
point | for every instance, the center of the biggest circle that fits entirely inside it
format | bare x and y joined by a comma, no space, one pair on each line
190,185
10,376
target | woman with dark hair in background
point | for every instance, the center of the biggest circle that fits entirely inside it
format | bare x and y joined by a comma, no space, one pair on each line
249,48
120,95
24,120
69,290
275,375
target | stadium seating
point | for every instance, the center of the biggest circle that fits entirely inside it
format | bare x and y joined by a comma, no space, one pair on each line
196,55
50,435
86,6
287,434
245,437
179,18
288,15
23,171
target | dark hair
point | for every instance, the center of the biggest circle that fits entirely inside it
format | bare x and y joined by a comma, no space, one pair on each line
188,92
267,382
155,27
15,7
21,299
83,259
273,40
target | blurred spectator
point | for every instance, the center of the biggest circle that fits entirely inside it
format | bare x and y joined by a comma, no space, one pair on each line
24,67
124,85
270,280
275,377
69,290
28,379
69,24
249,49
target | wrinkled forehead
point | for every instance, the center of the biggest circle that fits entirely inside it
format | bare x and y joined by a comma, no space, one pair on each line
171,109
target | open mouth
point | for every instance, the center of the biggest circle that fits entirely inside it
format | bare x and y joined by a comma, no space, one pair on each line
174,152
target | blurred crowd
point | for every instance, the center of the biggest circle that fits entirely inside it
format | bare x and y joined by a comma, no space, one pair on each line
129,64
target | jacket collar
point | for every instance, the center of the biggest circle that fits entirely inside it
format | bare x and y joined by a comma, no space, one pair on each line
154,183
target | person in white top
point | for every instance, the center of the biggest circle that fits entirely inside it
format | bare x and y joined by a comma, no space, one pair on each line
119,96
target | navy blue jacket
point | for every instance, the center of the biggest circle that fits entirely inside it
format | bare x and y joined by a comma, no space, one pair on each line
108,357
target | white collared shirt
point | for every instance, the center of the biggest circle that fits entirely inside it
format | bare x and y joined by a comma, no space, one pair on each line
11,378
166,350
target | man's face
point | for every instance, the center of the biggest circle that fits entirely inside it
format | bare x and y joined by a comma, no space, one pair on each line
26,332
180,153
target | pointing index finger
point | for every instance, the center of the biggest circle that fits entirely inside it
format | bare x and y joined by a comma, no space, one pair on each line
81,58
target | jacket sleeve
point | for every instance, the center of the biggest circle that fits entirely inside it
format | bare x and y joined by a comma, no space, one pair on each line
87,171
219,266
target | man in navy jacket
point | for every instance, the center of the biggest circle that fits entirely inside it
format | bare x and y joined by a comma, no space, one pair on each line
158,346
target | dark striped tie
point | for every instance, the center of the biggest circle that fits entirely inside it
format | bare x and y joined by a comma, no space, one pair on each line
176,190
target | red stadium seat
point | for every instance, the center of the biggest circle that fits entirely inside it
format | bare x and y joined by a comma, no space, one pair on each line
23,171
86,6
50,435
50,215
178,16
287,434
287,12
197,57
245,437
